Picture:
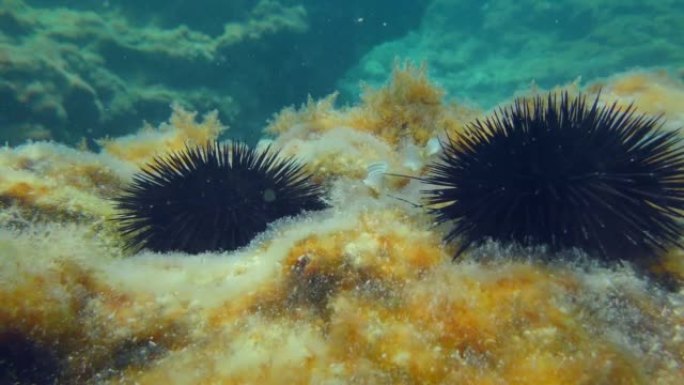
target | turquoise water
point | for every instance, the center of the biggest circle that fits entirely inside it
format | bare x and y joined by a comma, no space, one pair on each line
86,69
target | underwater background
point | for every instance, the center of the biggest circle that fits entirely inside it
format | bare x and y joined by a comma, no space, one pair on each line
88,69
356,278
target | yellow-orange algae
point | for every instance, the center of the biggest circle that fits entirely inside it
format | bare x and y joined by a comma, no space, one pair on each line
181,130
409,107
388,317
654,93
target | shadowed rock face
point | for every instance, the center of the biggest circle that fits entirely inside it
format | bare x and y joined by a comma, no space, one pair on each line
23,361
80,69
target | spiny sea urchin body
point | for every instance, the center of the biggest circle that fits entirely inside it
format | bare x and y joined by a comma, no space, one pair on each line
564,174
212,197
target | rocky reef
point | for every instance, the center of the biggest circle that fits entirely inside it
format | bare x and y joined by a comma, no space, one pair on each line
364,291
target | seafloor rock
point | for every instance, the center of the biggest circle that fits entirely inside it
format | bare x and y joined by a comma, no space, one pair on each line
363,292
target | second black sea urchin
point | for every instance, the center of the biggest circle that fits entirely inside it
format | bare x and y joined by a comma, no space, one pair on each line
564,174
212,197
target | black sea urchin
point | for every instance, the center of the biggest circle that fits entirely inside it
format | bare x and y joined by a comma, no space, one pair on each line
212,197
562,174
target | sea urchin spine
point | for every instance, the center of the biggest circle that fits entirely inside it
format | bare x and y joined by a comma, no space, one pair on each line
561,173
212,197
